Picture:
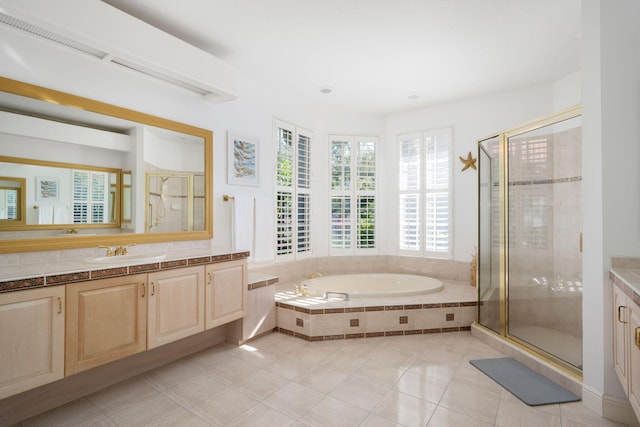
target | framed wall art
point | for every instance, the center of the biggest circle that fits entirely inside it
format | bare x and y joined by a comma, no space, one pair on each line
47,189
242,160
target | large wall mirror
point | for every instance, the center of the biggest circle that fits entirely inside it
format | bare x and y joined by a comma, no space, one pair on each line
78,173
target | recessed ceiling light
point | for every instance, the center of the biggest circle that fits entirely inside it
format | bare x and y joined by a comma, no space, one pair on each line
413,96
326,89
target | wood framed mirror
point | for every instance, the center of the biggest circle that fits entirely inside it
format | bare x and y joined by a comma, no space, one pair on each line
90,161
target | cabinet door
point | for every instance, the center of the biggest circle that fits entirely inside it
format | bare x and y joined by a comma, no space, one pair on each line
621,314
226,293
106,321
176,305
31,338
634,358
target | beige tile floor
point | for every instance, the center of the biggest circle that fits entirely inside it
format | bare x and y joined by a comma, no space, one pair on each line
278,380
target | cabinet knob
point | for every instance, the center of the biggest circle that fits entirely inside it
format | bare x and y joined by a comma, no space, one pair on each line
59,305
153,288
143,289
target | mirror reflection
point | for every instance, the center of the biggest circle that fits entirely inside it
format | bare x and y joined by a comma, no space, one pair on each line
12,209
63,194
69,163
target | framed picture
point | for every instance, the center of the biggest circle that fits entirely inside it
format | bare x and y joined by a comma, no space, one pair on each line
242,160
47,189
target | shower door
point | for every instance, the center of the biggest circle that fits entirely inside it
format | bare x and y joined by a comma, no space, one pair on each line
544,235
490,308
530,237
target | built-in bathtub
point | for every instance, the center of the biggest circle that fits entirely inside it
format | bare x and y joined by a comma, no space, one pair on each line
370,285
378,305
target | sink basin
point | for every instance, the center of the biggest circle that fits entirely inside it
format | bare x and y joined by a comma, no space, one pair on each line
125,259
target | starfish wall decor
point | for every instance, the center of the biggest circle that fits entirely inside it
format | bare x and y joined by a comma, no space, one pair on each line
469,162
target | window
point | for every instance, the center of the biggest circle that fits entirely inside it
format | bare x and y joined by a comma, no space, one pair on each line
424,193
293,190
90,191
353,191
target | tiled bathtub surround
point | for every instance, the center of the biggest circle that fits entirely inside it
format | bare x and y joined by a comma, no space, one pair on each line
295,271
315,319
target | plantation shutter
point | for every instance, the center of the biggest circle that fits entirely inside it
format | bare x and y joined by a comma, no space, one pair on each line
424,193
293,190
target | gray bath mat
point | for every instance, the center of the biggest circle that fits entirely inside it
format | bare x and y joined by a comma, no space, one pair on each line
527,385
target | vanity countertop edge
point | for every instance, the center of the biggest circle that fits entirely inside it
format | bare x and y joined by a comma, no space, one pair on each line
627,279
29,276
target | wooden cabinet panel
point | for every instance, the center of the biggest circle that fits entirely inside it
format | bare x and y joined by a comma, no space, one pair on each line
634,359
621,313
106,320
226,293
31,338
176,305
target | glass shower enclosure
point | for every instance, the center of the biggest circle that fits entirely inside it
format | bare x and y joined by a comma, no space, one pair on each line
530,237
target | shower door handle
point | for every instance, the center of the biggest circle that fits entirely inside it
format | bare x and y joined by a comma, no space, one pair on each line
581,242
620,314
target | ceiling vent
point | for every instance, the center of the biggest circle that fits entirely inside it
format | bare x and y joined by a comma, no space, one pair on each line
97,29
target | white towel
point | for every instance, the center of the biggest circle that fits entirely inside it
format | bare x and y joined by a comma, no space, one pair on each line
243,223
264,230
45,214
61,215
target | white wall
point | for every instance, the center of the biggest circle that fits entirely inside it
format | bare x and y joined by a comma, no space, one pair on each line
611,91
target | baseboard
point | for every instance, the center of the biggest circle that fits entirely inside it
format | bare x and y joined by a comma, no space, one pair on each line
620,410
609,407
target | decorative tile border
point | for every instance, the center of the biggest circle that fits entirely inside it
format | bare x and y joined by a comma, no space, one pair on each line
80,276
15,285
375,308
263,283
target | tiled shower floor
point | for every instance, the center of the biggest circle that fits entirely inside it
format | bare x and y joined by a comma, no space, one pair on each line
278,380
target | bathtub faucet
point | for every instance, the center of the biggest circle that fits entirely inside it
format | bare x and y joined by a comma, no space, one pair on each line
301,290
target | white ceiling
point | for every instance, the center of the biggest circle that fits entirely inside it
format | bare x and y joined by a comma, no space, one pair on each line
375,53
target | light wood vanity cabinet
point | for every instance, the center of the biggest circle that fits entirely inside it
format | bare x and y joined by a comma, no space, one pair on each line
106,320
626,345
226,293
52,332
31,338
175,306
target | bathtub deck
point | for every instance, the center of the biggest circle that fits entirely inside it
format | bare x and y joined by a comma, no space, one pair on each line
313,318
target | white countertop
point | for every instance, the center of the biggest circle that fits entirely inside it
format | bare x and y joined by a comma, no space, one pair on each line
630,277
17,272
